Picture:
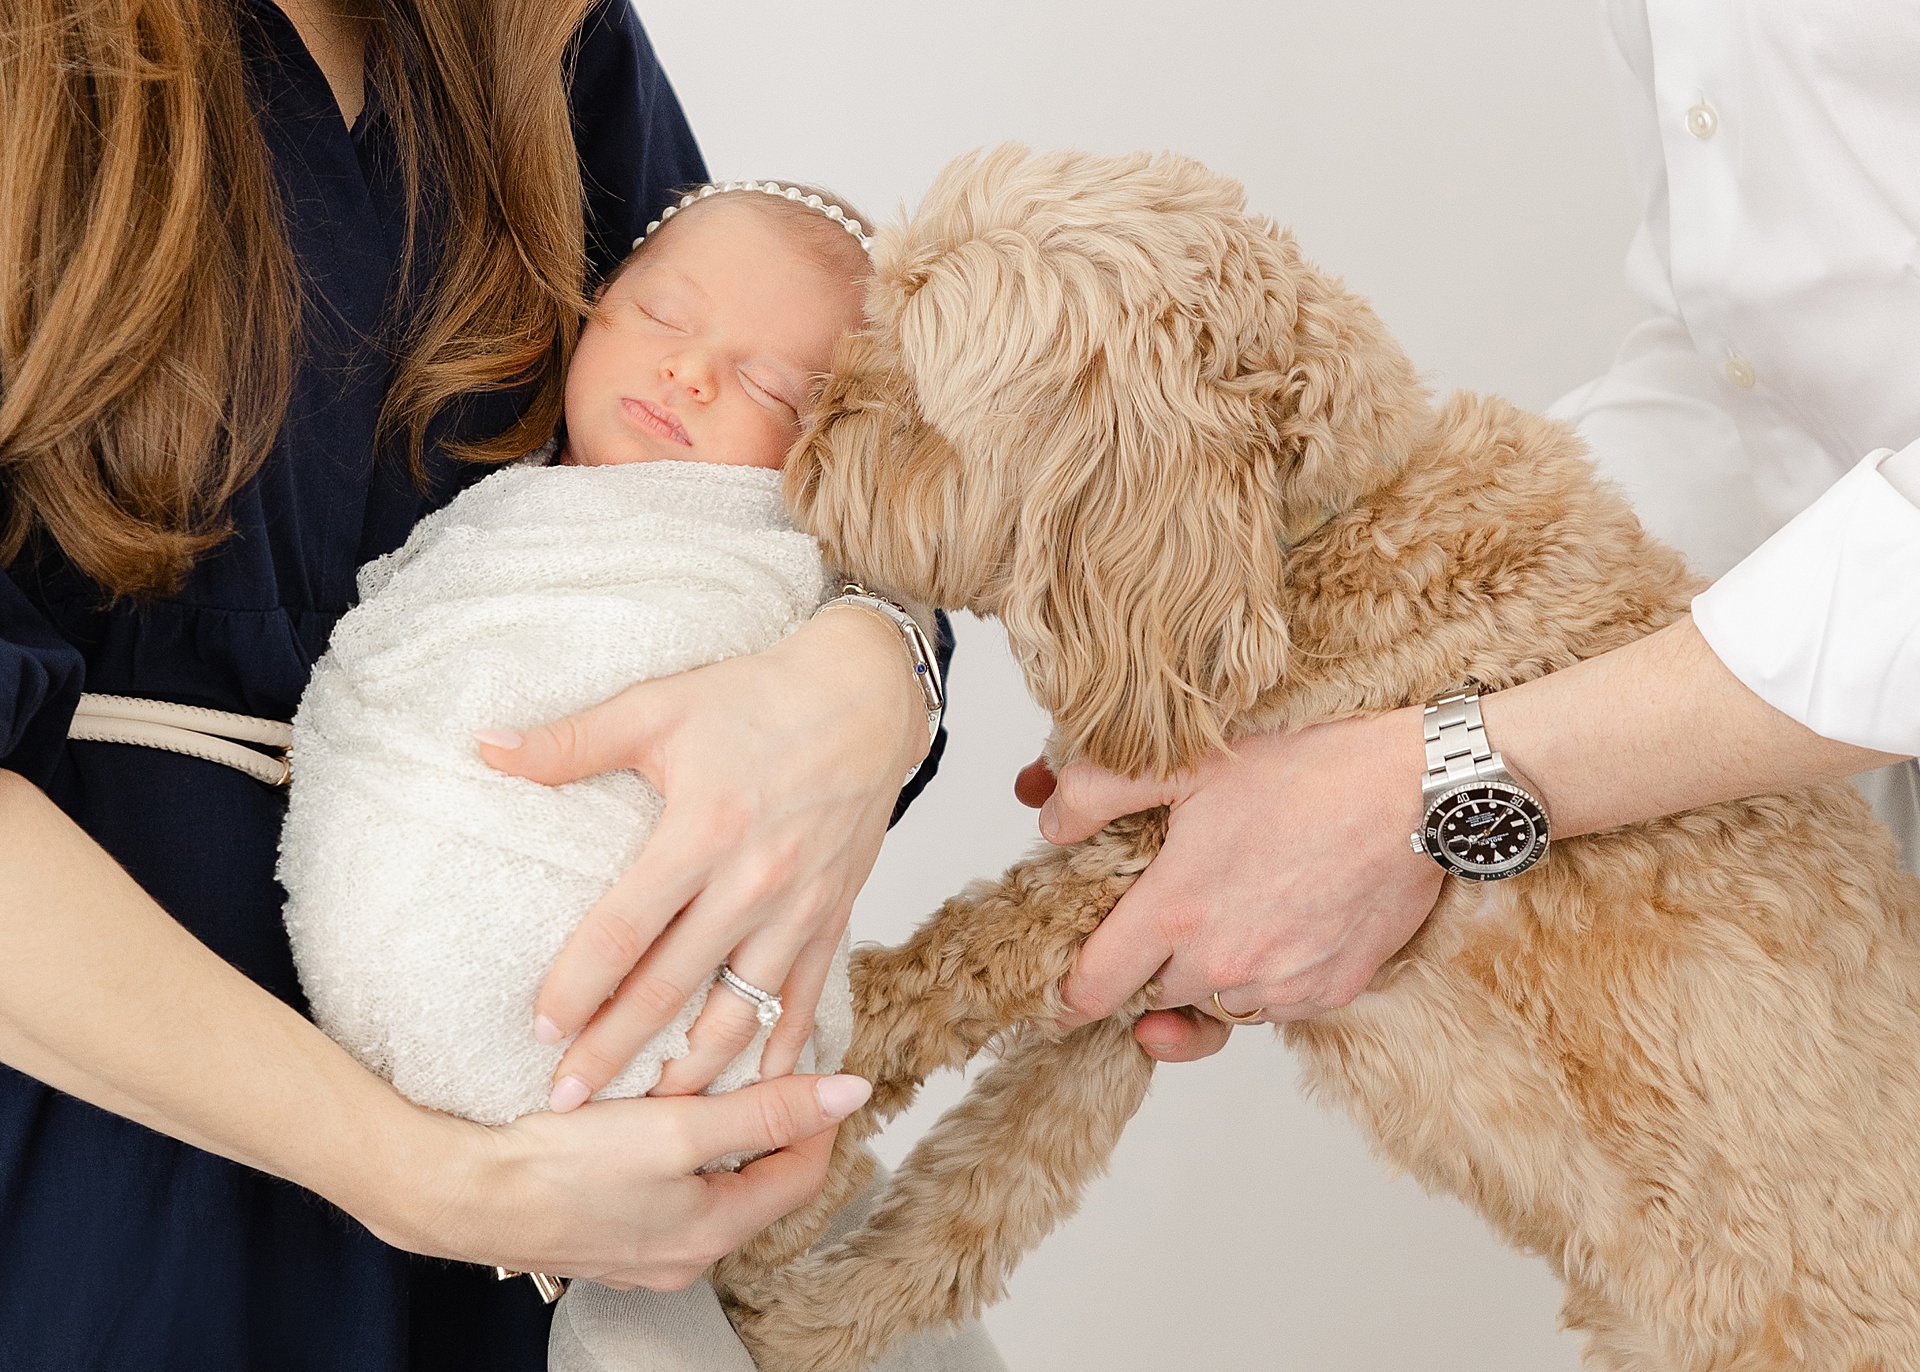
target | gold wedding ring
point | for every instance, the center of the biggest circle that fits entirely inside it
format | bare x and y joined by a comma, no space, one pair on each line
1232,1018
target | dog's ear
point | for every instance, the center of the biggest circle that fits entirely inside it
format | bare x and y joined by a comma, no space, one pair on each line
1146,599
1342,396
1144,389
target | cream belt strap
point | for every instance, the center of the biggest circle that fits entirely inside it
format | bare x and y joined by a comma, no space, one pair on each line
188,729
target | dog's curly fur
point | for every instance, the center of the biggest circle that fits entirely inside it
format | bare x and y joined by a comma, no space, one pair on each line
1207,495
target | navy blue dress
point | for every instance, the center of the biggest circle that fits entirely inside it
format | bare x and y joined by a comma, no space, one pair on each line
120,1249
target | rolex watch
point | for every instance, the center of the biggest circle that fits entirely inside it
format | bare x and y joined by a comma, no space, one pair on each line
1482,821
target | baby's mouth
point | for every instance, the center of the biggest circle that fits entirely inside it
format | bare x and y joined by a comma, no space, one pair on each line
656,418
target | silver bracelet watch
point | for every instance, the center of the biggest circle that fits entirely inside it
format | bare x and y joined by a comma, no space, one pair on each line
926,664
1482,822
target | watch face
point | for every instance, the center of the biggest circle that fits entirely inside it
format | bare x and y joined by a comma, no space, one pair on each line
1485,830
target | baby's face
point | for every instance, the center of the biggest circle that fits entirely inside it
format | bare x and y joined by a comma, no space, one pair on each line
705,347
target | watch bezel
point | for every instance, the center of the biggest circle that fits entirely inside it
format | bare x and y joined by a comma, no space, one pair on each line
1524,799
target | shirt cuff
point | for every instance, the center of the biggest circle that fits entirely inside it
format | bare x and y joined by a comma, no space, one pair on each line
1823,620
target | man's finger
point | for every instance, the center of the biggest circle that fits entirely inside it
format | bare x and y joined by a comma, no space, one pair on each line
1180,1036
1086,799
765,1116
1120,957
605,738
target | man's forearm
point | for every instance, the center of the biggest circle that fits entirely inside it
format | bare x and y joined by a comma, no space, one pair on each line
1654,728
105,996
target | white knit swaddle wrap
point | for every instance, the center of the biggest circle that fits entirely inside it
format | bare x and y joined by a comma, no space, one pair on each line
428,894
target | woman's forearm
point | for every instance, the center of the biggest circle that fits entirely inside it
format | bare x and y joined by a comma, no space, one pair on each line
1654,728
105,996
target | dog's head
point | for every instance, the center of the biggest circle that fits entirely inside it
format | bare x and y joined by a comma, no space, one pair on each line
1094,397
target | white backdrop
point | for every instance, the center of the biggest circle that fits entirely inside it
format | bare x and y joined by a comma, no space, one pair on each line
1458,163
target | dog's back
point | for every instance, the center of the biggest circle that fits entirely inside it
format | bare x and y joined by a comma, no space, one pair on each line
1681,1059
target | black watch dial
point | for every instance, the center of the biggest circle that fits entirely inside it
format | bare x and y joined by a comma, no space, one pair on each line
1485,830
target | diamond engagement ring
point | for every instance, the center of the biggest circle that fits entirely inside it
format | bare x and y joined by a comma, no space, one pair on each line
766,1007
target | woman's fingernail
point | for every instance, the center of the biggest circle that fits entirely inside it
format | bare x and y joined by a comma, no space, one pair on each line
569,1093
840,1096
1162,1047
546,1030
1049,821
499,738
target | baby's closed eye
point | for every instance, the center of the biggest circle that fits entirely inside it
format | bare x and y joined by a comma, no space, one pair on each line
656,314
773,392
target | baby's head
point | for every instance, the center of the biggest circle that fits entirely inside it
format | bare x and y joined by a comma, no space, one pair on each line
705,343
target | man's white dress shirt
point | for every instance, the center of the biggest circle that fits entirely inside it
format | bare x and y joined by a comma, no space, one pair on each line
1776,148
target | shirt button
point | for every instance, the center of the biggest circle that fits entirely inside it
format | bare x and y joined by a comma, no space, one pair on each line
1741,373
1702,122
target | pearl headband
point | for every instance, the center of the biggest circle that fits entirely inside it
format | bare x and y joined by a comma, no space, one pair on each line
793,193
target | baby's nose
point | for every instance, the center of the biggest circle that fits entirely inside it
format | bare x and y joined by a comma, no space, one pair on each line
691,373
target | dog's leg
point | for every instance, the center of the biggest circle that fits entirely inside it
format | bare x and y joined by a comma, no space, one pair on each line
990,960
982,1188
897,1066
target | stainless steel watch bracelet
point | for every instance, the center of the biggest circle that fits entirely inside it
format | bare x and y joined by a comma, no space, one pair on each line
1457,747
926,663
1481,821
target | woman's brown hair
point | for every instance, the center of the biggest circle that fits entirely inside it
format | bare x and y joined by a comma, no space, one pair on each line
150,303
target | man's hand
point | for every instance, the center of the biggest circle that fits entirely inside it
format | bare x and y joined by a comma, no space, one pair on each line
1285,881
1166,1035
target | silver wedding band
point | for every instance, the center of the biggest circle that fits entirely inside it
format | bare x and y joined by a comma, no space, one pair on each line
766,1006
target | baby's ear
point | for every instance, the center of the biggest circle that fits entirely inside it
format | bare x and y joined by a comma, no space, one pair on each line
1147,604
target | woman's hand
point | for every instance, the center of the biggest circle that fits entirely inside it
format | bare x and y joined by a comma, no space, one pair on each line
105,996
610,1192
780,771
1285,880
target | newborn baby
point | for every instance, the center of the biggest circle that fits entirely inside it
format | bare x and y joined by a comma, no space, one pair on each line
429,894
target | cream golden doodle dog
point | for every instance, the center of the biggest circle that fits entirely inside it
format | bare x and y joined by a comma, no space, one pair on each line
1206,494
